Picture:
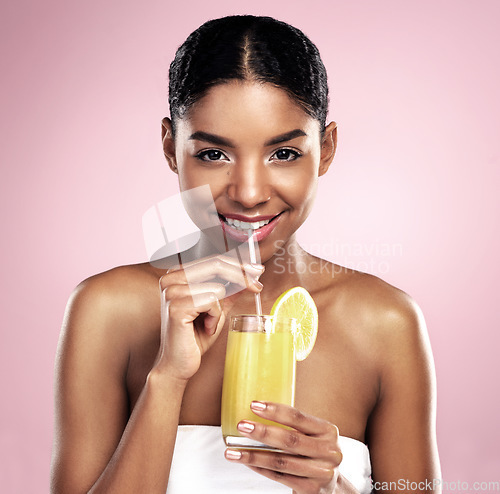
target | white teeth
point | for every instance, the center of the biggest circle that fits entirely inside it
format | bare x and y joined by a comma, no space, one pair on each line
244,225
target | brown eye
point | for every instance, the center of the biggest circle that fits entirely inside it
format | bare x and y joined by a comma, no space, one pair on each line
211,155
286,155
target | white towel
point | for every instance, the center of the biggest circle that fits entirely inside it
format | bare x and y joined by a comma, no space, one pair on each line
199,466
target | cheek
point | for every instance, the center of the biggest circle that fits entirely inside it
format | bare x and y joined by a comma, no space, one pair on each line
190,179
191,176
298,189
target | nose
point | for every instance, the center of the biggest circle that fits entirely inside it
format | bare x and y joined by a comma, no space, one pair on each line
249,183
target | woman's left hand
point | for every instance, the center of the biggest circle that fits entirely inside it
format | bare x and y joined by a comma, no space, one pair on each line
311,450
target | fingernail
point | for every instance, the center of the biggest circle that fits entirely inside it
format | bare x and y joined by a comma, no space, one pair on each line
246,427
231,454
258,406
258,284
257,267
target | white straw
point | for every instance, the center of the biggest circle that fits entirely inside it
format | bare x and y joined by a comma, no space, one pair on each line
253,259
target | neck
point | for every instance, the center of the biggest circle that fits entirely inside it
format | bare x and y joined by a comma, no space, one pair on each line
286,268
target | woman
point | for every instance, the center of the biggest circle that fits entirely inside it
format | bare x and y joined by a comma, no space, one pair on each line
248,101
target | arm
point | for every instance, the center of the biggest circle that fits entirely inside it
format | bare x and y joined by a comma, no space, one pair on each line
97,447
401,429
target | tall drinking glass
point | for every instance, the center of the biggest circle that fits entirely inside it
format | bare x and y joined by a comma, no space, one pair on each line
260,365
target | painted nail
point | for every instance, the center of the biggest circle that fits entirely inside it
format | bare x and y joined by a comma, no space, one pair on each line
258,284
260,267
257,268
231,454
246,427
258,406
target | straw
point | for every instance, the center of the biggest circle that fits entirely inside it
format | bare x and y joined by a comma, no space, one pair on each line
253,259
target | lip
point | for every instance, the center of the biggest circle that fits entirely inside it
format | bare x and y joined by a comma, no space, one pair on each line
249,219
258,235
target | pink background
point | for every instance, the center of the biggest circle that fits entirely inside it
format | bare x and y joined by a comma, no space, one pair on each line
412,196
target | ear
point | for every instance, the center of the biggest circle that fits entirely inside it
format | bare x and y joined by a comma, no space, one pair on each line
328,148
168,141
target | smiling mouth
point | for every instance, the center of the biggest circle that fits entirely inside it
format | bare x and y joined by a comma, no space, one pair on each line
244,226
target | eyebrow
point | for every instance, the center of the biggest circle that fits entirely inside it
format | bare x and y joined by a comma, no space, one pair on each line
288,136
221,141
211,138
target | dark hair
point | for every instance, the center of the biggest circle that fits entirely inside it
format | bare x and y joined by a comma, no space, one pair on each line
247,47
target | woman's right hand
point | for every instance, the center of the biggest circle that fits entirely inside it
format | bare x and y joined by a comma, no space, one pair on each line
191,312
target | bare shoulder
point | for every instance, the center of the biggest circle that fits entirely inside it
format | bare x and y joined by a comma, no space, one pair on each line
387,328
378,315
368,300
385,332
108,315
113,307
377,335
120,284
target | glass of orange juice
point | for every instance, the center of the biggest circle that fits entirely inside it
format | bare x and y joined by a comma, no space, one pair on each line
260,365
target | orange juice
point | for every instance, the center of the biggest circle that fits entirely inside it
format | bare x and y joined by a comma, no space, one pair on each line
260,365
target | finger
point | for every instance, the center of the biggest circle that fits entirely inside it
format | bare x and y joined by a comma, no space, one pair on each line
186,302
228,259
214,321
291,416
296,483
245,275
283,463
175,291
240,274
182,310
292,441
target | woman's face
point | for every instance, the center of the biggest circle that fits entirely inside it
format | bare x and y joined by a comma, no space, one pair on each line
260,153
